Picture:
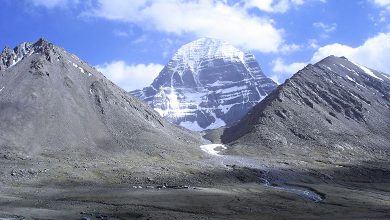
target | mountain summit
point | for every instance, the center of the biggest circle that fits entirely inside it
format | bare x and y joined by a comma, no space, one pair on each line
54,106
335,107
207,84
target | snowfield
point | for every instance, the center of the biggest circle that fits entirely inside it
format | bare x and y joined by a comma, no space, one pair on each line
212,149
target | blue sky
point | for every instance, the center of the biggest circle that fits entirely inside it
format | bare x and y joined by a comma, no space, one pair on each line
131,40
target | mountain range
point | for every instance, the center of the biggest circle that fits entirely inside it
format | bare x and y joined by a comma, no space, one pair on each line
73,145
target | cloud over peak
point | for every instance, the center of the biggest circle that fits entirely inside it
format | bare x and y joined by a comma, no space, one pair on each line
213,18
373,53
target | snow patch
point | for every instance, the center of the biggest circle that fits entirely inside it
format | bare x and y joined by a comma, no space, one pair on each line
327,67
368,71
182,103
232,89
2,89
220,83
350,79
225,108
213,149
193,53
350,70
81,70
386,76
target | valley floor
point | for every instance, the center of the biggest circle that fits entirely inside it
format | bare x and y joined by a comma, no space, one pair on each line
233,187
238,201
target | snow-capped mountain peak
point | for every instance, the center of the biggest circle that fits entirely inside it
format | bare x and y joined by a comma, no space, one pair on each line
207,84
193,53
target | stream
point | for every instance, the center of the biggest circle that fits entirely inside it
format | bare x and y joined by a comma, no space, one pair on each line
218,159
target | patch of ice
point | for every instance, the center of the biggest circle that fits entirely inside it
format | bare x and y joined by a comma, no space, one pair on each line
212,149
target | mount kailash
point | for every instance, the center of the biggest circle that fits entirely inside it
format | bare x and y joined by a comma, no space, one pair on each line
207,84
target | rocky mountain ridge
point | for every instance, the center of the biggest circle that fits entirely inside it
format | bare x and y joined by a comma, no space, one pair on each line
334,107
54,106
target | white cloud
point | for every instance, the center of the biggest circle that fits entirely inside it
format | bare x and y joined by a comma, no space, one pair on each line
332,49
277,79
280,67
273,6
313,44
140,39
289,48
119,33
54,3
373,53
282,70
383,3
327,28
203,18
130,77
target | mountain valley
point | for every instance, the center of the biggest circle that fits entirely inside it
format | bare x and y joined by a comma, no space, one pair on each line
76,146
